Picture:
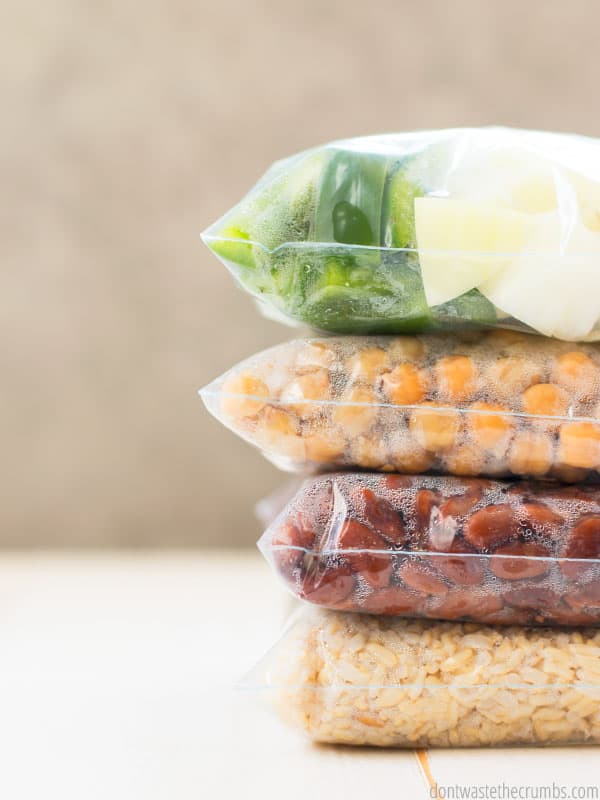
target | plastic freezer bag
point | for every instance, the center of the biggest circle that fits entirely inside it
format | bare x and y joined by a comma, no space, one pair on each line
496,403
434,229
365,680
444,548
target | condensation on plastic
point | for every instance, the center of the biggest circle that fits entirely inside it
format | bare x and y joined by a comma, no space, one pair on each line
366,680
494,403
489,227
444,548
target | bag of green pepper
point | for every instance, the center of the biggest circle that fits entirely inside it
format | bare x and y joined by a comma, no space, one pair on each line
489,227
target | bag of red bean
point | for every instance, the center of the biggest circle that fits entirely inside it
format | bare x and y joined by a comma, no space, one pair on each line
441,547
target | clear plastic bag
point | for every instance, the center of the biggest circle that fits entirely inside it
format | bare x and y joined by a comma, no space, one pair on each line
444,548
366,680
496,404
434,229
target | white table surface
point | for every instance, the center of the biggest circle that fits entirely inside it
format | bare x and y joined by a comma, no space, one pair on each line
116,681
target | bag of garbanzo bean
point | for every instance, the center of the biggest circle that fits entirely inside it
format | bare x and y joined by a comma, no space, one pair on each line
499,403
402,233
361,679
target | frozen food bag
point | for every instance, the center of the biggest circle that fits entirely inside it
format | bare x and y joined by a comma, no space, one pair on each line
492,403
401,233
445,548
358,679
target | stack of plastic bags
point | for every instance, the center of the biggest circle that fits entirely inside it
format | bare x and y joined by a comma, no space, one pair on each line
453,567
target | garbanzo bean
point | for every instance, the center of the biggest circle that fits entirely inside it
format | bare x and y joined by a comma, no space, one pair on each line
407,455
489,430
475,405
314,387
435,427
369,452
279,431
367,365
579,445
530,453
546,400
355,420
327,445
314,355
243,395
405,385
509,376
577,373
465,460
279,421
506,338
406,348
456,377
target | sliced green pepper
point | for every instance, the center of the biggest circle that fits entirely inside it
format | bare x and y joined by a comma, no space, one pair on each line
349,199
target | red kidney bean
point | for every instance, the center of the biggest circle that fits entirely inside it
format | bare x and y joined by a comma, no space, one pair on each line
328,586
493,570
583,543
461,565
291,536
508,616
532,598
425,502
459,603
422,578
374,568
520,560
491,526
397,482
385,520
539,516
460,504
563,615
394,601
586,596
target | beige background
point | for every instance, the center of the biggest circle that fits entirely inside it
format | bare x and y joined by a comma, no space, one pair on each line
127,128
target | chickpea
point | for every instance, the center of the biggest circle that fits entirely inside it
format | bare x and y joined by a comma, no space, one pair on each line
579,445
466,460
577,373
406,348
502,337
367,365
435,428
530,453
369,452
279,422
312,387
325,447
407,455
511,375
490,431
405,385
243,395
456,377
278,433
355,420
546,400
314,355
